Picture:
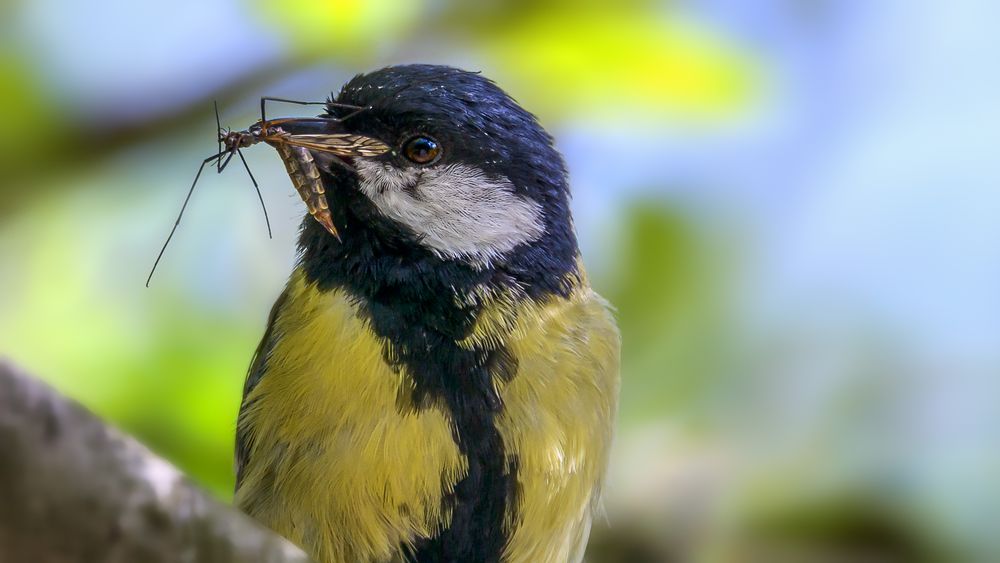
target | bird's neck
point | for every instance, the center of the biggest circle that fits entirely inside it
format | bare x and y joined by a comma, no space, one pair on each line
381,264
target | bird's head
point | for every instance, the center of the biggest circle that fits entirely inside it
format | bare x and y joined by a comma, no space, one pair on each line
471,183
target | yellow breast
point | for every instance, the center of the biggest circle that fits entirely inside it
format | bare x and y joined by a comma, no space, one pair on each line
557,421
337,466
342,464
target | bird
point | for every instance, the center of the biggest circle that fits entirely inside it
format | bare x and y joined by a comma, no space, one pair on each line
438,381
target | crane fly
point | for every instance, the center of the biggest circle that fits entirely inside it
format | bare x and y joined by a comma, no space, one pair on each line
300,143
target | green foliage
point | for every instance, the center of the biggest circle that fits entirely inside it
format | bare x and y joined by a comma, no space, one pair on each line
604,61
30,126
346,29
669,295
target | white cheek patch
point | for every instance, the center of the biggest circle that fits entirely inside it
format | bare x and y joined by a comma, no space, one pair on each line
457,210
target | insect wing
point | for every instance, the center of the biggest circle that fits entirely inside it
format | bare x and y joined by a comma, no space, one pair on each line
340,144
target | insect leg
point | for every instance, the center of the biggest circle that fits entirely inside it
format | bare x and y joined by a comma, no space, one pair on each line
266,99
218,126
224,163
181,214
355,112
256,187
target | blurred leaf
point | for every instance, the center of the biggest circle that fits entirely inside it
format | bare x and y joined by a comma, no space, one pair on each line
609,62
343,27
669,309
495,14
28,120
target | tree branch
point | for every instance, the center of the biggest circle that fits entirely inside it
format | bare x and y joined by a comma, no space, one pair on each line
73,489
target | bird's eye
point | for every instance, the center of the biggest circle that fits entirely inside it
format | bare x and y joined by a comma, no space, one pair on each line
422,150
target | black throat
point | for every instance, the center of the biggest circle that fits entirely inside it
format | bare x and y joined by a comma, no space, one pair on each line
416,302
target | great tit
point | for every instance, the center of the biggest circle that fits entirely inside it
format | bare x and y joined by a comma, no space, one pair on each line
437,381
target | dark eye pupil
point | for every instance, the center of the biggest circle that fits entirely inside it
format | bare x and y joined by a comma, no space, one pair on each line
422,150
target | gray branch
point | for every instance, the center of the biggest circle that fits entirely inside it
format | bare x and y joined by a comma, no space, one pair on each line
73,489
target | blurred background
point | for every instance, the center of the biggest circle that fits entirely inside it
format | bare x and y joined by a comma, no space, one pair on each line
793,204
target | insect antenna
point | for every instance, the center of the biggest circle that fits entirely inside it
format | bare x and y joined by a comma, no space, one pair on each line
256,187
181,213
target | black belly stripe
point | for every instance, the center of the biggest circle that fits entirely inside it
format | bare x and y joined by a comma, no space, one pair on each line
462,381
481,500
407,297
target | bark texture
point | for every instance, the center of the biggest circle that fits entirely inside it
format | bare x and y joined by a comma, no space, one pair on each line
73,489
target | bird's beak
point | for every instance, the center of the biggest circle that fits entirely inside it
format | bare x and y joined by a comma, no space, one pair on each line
325,136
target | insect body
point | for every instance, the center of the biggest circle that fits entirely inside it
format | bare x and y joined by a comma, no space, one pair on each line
296,140
305,177
299,141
